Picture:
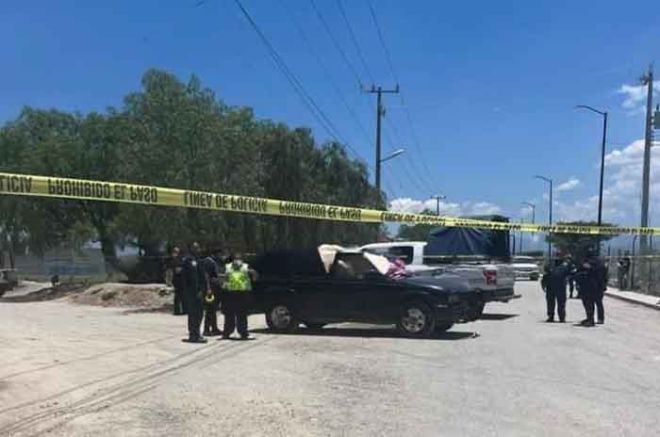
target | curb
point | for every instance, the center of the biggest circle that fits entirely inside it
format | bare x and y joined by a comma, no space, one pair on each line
632,300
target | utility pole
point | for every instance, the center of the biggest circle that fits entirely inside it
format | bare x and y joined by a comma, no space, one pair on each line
380,112
648,81
437,203
522,238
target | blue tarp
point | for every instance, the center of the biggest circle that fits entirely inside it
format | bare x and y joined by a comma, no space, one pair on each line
469,241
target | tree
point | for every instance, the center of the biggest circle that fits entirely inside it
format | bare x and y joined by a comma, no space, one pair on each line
416,232
173,133
577,244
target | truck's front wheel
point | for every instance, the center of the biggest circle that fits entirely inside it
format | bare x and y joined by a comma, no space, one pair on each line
281,318
416,320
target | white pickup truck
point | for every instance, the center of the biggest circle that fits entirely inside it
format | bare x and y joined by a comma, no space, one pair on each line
494,281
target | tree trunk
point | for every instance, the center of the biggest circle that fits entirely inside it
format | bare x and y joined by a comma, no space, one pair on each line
109,250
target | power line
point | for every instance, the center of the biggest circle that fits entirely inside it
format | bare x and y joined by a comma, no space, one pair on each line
307,100
334,85
354,40
336,43
412,176
390,64
325,71
382,41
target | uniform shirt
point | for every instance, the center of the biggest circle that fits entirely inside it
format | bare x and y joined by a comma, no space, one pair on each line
175,266
194,277
558,278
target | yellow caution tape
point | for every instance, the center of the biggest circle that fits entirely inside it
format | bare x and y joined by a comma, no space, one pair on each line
80,189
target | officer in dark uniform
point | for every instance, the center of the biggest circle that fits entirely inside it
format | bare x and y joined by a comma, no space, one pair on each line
174,278
195,285
555,291
212,294
592,280
601,275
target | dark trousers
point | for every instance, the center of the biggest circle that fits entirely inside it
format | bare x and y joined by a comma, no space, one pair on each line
558,297
211,319
179,306
234,307
600,310
588,303
571,288
195,309
593,304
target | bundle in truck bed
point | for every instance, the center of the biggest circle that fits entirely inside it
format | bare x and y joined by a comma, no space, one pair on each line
469,242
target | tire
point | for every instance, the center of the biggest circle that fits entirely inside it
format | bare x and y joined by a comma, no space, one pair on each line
480,309
443,327
416,320
281,318
314,326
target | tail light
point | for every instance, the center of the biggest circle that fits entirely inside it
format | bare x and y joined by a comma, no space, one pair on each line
491,277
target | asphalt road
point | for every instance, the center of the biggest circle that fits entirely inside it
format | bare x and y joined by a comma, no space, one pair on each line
68,370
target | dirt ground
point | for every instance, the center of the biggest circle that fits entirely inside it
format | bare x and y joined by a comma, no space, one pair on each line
84,370
153,297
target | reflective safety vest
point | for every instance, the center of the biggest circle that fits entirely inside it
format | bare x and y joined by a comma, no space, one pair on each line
238,279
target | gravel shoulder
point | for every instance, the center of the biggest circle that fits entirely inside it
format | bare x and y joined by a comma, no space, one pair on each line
78,370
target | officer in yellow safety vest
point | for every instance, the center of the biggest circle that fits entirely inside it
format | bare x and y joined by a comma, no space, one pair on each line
236,296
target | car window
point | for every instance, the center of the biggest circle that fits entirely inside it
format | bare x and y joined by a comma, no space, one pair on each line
352,267
403,252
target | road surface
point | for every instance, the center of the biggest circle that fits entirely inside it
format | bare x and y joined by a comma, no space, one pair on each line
68,370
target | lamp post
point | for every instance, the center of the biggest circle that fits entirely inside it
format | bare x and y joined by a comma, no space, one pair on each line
602,162
549,181
380,161
438,198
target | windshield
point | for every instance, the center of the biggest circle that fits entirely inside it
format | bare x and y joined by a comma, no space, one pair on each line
352,267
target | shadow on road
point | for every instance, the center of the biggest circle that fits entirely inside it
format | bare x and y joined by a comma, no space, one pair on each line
167,308
368,333
496,316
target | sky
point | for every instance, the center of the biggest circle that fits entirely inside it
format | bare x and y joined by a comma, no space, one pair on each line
487,89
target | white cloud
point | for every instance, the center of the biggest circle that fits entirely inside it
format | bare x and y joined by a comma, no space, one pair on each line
622,191
635,96
407,204
569,185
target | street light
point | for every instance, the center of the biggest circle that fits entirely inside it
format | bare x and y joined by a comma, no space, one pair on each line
380,161
438,198
549,181
602,162
392,155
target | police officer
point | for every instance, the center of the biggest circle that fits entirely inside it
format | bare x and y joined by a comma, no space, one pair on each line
592,278
555,290
195,285
236,296
212,295
174,278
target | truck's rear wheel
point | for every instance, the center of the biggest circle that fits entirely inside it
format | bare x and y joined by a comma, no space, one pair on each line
281,318
416,320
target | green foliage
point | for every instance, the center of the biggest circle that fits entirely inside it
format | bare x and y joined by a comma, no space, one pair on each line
416,232
577,244
176,134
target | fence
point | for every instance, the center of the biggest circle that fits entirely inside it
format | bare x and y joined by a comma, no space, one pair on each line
643,276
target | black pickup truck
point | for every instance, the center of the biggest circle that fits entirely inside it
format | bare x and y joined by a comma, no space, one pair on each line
297,287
